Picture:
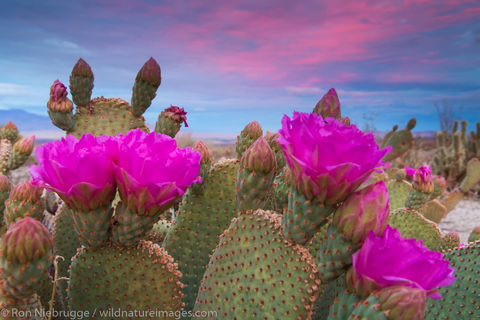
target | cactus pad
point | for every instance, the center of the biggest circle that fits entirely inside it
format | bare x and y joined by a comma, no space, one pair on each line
398,192
461,300
106,116
201,219
126,278
412,224
255,274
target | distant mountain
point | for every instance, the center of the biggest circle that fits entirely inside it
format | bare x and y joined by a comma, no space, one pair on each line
26,121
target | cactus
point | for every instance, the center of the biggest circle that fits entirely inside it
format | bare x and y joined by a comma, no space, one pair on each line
24,201
474,235
201,219
5,188
14,149
170,121
247,137
66,244
101,116
25,254
135,269
401,141
251,268
465,262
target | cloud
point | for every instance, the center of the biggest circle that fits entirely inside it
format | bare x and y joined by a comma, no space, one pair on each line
12,89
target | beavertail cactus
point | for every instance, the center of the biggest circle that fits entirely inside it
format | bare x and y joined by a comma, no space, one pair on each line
247,137
5,188
255,176
81,173
151,173
101,116
394,276
14,149
25,254
146,84
363,212
10,132
24,201
329,105
401,141
319,182
170,121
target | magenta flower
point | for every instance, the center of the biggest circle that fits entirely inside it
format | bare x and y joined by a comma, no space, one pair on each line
151,172
328,159
422,180
410,171
391,260
80,171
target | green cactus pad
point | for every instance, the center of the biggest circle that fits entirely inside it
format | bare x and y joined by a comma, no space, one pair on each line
252,188
106,116
23,280
401,141
472,176
461,300
25,309
368,310
160,231
142,96
452,199
128,228
15,210
278,197
474,235
255,274
434,210
201,219
343,306
124,278
412,224
334,256
416,199
398,192
93,227
304,217
66,243
168,126
328,294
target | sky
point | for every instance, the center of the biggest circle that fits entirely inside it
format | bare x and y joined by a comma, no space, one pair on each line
231,62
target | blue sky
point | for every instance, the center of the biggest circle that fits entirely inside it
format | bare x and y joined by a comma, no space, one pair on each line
230,62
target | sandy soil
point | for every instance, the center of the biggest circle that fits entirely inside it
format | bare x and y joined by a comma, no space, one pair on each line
462,219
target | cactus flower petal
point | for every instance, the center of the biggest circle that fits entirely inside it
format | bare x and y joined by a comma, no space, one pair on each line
152,172
328,159
80,171
391,260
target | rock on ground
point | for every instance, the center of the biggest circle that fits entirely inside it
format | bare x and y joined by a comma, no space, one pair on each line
462,219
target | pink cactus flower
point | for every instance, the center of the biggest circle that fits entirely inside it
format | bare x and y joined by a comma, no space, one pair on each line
58,91
422,179
177,113
151,172
409,171
80,171
391,260
328,159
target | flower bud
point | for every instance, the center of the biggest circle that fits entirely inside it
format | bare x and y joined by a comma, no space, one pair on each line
10,126
402,303
58,98
364,210
176,113
207,157
422,180
150,73
329,105
26,192
259,157
253,130
82,69
25,145
28,240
